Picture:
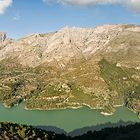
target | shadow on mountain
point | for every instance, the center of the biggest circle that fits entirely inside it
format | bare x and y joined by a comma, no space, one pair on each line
11,131
52,129
99,127
84,130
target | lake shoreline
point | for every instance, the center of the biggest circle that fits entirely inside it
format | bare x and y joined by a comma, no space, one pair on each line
67,119
70,107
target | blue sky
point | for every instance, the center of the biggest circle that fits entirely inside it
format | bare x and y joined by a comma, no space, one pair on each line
23,17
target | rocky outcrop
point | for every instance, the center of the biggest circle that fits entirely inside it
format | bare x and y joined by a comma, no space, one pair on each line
2,36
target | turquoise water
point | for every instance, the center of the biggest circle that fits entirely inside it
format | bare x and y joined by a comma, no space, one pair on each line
68,119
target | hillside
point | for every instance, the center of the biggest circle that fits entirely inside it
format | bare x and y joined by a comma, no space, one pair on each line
97,67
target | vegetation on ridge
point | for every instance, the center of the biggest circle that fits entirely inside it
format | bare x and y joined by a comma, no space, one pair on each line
45,88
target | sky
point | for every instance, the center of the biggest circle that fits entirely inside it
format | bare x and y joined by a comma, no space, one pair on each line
22,17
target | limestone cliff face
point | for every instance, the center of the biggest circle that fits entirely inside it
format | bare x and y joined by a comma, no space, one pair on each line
69,43
63,45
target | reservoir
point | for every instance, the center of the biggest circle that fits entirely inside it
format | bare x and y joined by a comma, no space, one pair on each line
67,119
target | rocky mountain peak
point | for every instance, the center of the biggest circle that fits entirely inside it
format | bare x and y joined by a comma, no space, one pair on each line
62,46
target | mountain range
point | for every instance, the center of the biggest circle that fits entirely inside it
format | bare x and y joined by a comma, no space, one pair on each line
73,67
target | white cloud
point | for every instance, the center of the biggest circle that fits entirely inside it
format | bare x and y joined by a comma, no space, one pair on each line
88,2
133,4
4,4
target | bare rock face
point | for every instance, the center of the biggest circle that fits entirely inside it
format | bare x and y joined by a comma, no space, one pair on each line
64,45
73,43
